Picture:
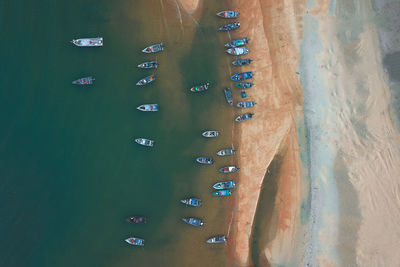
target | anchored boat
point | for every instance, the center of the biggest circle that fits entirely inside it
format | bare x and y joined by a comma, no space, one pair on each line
244,117
228,14
238,42
144,142
148,65
224,185
216,239
242,76
246,104
148,107
84,81
244,85
194,202
200,88
146,80
205,160
229,169
237,51
241,62
229,26
226,152
135,241
88,42
153,48
228,96
210,134
193,221
222,193
137,219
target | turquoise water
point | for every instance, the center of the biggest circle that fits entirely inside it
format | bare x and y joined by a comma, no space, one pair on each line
69,170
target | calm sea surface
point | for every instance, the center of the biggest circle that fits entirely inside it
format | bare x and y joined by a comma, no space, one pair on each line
70,173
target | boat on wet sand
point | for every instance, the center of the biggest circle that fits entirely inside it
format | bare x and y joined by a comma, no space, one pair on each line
193,221
153,48
226,152
242,76
244,85
88,42
146,80
148,107
229,169
222,193
137,219
205,160
237,51
238,42
216,239
224,185
244,117
200,88
210,134
135,241
84,81
148,65
144,142
228,14
228,96
241,62
246,104
194,202
229,26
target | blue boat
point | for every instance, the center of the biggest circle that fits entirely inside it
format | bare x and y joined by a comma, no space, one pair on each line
244,85
135,241
222,193
193,221
224,185
242,76
228,96
238,42
228,14
194,202
246,104
229,26
205,160
216,239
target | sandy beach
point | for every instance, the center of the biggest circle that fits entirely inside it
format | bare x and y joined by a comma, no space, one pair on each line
190,6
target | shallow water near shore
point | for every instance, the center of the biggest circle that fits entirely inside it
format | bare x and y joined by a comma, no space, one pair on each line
70,171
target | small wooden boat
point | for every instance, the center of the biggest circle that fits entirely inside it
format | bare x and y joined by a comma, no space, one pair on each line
153,48
228,14
237,51
216,239
146,80
200,88
194,202
241,62
222,193
148,107
228,96
224,185
84,81
238,42
88,42
244,85
148,65
244,117
205,160
193,221
229,26
210,134
242,76
226,152
229,169
144,142
135,241
137,219
246,104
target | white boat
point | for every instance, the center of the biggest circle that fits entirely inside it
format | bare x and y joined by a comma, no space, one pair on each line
135,241
148,107
88,42
144,142
216,239
210,134
237,51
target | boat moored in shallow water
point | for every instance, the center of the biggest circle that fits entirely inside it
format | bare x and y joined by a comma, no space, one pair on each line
228,14
224,185
210,134
216,239
137,219
84,81
237,51
229,169
135,241
244,85
148,65
88,42
192,201
226,152
238,42
222,193
228,96
146,80
144,142
246,104
241,62
229,26
242,76
193,221
200,88
244,117
205,160
153,48
148,107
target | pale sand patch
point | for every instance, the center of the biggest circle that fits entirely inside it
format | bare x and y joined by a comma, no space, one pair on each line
190,5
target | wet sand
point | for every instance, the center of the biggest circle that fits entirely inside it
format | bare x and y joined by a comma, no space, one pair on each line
190,6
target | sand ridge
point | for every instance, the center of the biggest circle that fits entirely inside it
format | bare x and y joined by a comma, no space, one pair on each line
190,5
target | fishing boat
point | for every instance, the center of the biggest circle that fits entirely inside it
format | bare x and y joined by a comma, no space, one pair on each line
144,142
148,65
238,42
84,81
244,85
229,169
226,152
148,107
241,62
210,134
194,202
242,76
216,239
153,48
246,104
237,51
193,221
228,96
135,241
146,80
137,219
229,26
244,117
200,88
228,14
222,193
88,42
205,160
224,185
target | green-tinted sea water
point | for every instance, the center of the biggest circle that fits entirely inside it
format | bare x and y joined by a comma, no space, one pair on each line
70,173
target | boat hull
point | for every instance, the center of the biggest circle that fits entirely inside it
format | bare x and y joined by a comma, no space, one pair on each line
244,117
222,193
84,81
226,152
229,169
144,142
194,202
200,88
193,221
216,239
153,48
228,14
230,26
146,80
228,96
210,134
246,104
242,76
237,51
238,42
241,62
136,220
244,85
148,65
224,185
135,241
148,107
88,42
205,160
